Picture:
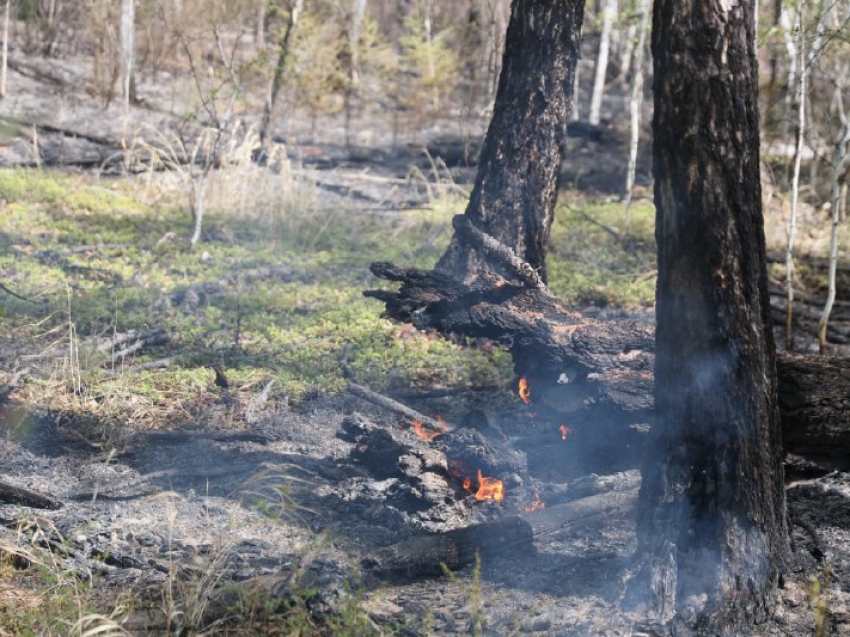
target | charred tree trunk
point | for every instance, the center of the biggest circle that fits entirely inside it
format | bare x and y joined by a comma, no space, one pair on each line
711,518
516,186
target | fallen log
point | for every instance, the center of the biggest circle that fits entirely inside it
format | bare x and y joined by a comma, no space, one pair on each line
430,555
601,372
10,494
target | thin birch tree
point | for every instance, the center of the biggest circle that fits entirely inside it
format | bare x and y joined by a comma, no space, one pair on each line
4,63
609,12
635,104
841,167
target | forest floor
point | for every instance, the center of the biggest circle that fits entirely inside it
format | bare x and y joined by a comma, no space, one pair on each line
188,507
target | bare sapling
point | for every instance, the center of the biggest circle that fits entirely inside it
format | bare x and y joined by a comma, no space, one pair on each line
635,103
806,61
795,185
219,123
295,9
841,168
358,11
609,12
4,62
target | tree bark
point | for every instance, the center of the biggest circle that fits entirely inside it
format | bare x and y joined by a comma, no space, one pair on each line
516,186
711,519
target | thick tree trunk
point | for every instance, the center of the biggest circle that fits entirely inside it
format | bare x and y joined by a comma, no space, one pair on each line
516,186
711,519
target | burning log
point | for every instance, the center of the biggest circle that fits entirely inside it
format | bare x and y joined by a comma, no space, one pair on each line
602,371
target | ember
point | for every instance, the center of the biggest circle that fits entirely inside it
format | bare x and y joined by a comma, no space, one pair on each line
425,434
565,431
489,489
536,504
524,391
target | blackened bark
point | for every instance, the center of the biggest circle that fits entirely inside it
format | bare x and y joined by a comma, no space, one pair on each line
516,186
712,513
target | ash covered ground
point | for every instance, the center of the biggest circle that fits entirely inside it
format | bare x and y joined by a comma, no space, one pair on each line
292,502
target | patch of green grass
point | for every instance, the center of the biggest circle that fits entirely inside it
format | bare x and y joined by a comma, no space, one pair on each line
274,291
595,259
277,294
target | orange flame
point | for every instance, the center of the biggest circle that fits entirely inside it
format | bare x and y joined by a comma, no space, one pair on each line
536,504
467,484
524,391
565,431
489,489
425,434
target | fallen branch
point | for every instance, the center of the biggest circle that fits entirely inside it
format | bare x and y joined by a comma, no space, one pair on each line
499,252
140,367
396,407
131,341
78,250
12,293
10,494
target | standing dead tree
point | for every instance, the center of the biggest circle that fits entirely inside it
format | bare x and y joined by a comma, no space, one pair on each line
293,14
711,515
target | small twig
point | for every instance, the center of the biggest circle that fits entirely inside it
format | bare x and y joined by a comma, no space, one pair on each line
500,252
11,293
395,406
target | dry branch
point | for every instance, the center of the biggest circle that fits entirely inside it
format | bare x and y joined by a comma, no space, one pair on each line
10,494
395,407
498,252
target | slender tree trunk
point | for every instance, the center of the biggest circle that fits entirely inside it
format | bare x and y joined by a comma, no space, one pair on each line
260,25
358,11
4,63
841,165
515,189
128,50
609,12
711,519
280,67
795,186
635,105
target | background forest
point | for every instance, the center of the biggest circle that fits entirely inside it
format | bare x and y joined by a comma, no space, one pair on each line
191,192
